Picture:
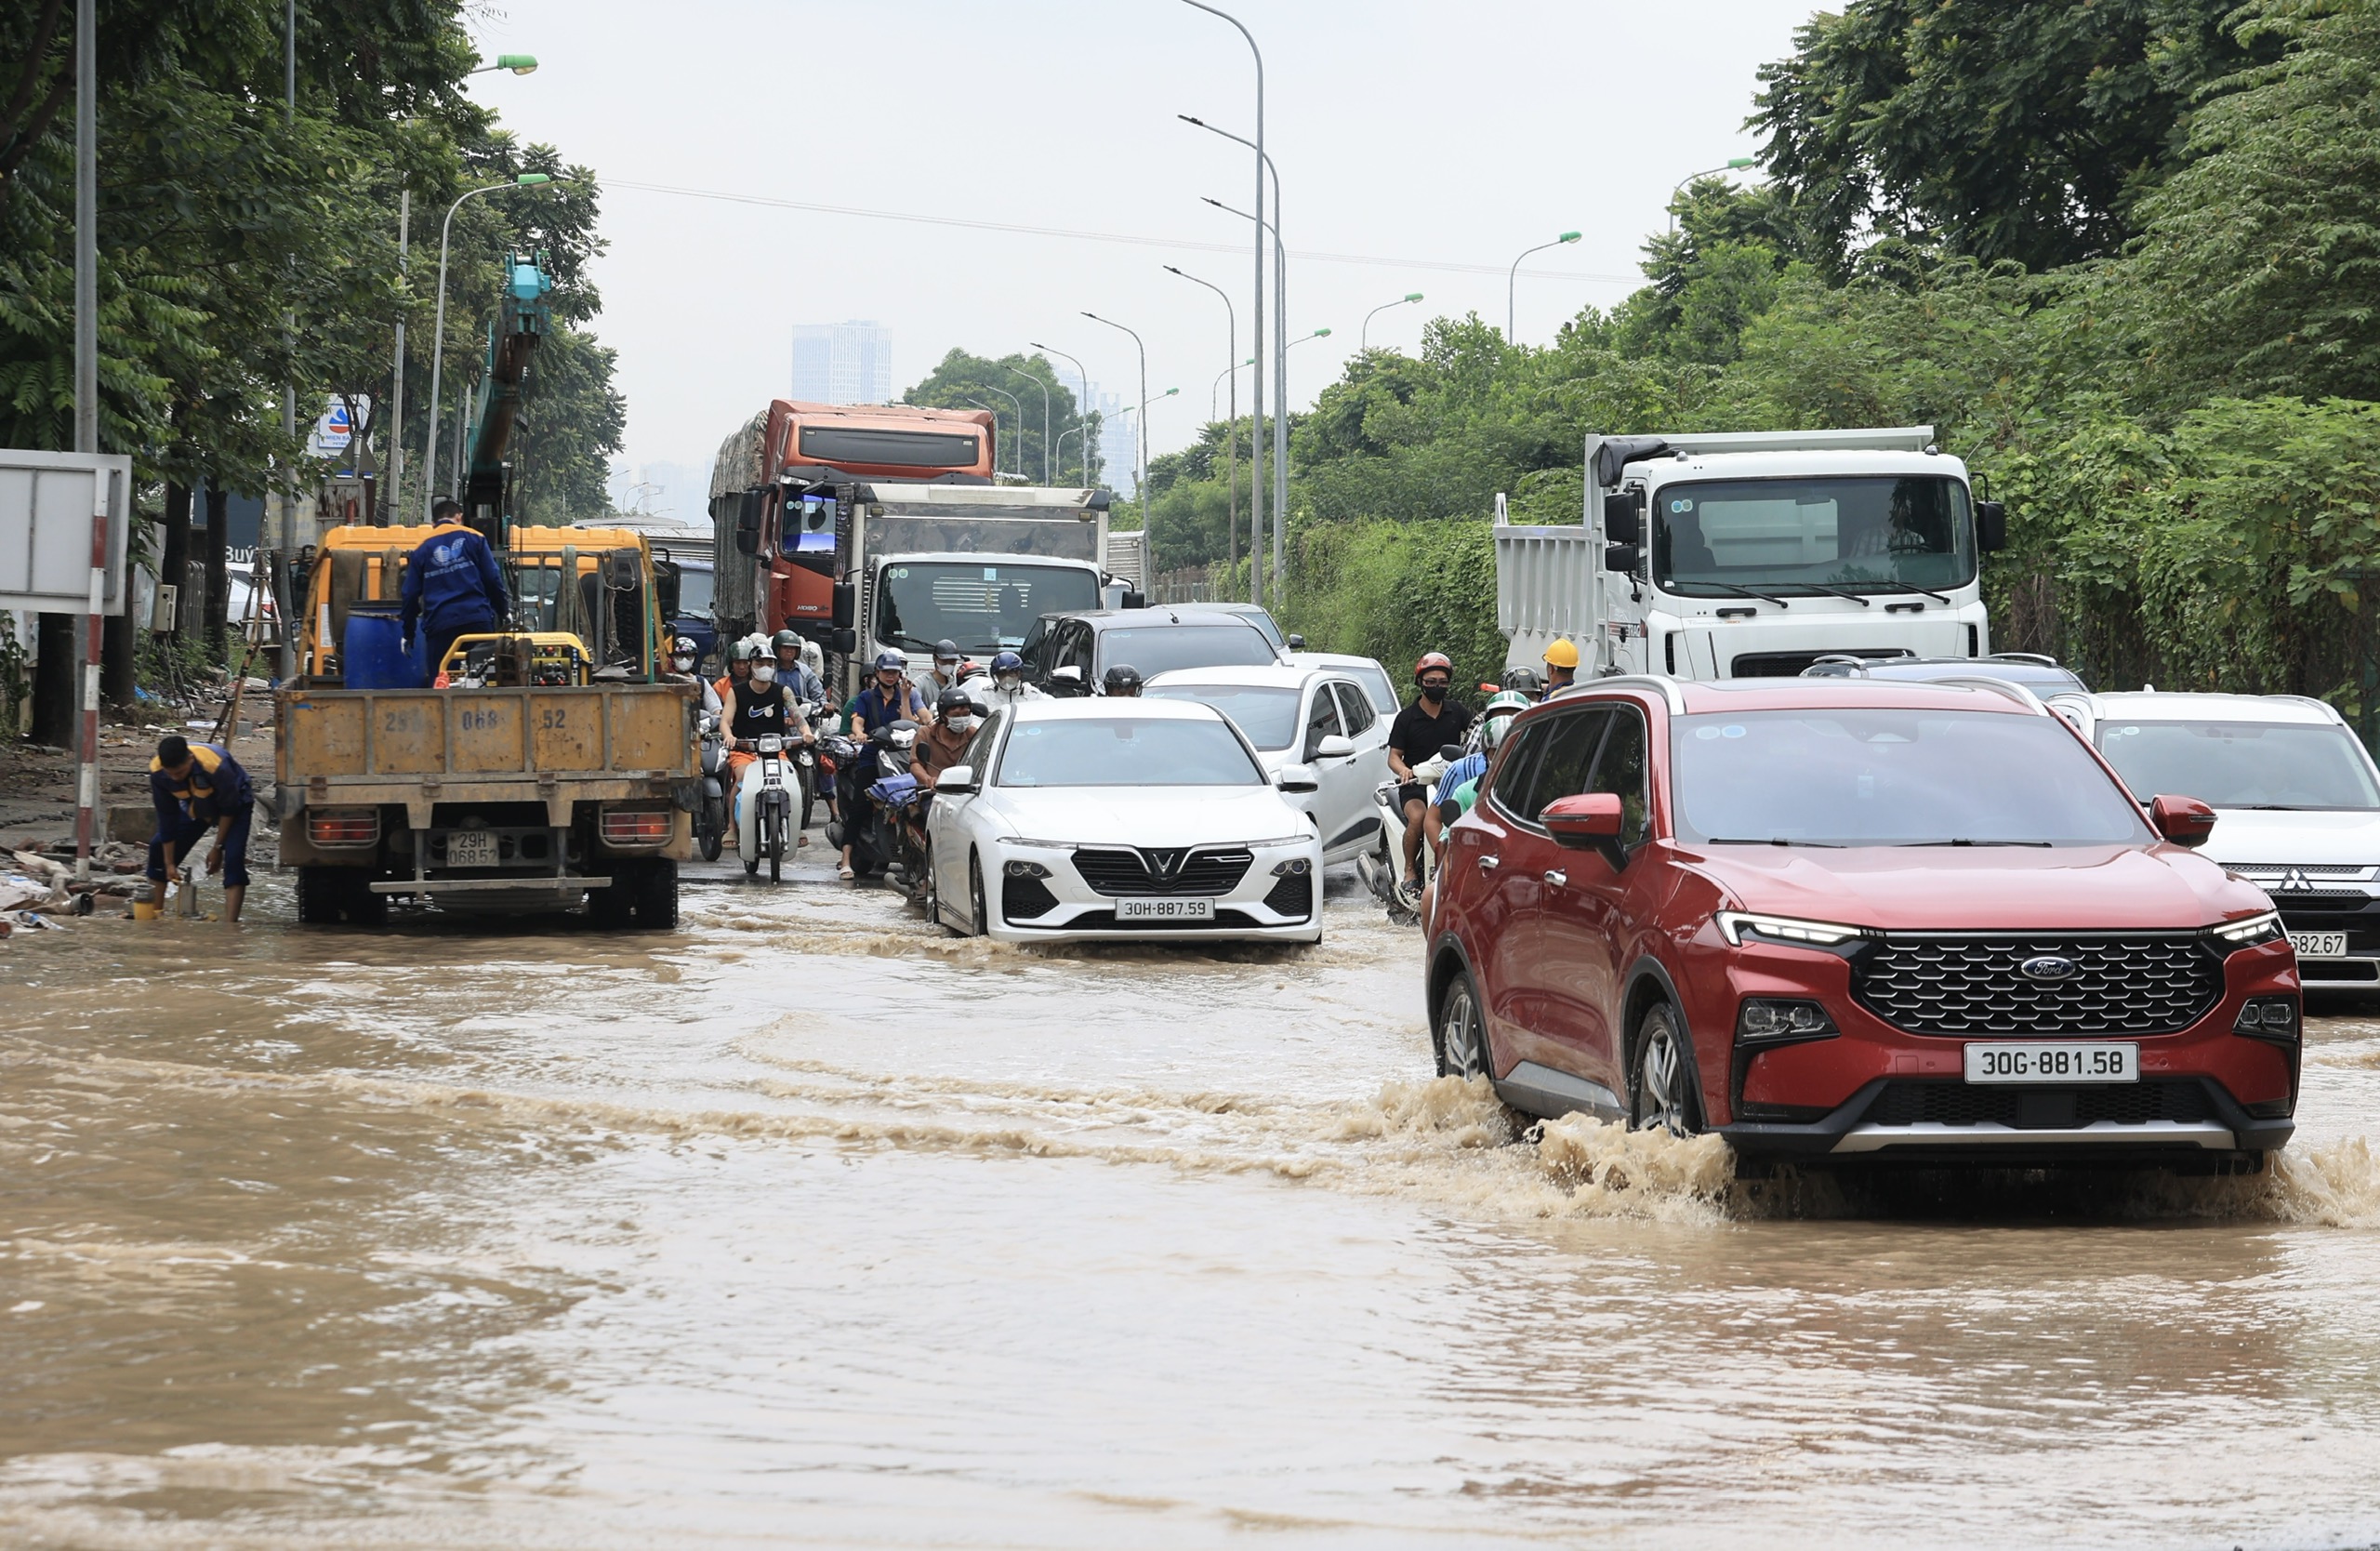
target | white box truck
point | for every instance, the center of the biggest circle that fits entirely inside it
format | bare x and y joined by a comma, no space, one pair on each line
1753,554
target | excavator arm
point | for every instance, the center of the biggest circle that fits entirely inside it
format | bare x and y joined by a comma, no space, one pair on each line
520,321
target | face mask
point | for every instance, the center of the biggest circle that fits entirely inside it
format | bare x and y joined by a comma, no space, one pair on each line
1010,681
683,665
949,669
764,673
1434,692
960,723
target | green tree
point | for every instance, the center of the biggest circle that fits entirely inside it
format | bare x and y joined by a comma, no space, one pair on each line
966,381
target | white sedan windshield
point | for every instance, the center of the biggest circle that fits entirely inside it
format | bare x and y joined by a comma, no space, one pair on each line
1268,715
1126,751
2240,765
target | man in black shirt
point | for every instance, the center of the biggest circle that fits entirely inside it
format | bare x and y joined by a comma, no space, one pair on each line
1420,731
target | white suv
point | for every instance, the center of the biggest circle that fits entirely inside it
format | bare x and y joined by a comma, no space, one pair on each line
2299,798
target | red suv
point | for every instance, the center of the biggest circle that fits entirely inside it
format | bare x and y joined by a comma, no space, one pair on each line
1862,919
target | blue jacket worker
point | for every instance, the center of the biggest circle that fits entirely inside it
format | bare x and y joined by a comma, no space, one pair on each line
452,586
195,787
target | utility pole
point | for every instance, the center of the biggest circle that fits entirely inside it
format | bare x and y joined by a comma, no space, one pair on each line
87,412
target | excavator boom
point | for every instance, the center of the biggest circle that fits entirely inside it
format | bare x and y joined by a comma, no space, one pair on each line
520,321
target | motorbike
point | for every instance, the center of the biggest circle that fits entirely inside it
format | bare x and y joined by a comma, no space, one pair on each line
1382,871
710,818
870,792
770,820
806,761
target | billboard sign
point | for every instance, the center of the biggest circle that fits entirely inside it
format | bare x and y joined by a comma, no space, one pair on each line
47,502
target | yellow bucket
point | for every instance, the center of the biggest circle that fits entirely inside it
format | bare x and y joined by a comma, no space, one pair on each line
144,910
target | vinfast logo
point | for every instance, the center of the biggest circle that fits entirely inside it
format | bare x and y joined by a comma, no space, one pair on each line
1164,864
2049,967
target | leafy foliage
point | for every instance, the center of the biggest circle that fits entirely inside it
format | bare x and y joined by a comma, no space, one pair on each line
964,382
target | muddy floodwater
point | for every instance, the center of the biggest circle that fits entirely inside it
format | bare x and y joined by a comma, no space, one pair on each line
810,1224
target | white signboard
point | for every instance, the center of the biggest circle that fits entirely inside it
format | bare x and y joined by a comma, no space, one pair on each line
47,502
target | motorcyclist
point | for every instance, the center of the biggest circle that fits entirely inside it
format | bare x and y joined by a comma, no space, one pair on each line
758,707
1460,783
1561,666
739,666
1420,731
890,697
1008,688
1123,680
1528,680
792,672
946,666
683,655
944,744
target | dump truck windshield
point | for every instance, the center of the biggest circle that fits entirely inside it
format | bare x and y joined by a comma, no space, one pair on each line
1857,532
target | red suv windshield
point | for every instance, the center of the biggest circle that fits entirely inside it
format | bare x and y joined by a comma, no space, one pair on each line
1858,777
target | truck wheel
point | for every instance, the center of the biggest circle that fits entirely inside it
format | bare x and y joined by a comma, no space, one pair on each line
364,906
319,889
609,909
655,890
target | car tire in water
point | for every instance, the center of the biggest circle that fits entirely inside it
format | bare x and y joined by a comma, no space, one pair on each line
980,922
1460,1030
1660,1076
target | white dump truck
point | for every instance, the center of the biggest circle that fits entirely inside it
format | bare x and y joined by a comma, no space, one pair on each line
1736,555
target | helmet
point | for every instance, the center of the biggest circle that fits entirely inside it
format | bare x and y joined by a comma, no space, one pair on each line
1433,659
892,660
786,638
1006,662
1562,654
945,649
1491,734
1528,680
684,647
745,650
954,699
1506,702
1122,679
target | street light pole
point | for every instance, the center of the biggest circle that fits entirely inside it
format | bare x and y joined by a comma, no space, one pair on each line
1042,384
1256,393
1734,164
1512,280
1082,405
1141,479
1231,426
438,331
1280,350
1364,335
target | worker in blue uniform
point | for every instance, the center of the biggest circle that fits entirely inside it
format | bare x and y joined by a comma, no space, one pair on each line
452,586
195,786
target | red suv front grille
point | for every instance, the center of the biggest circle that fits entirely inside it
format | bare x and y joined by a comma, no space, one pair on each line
1976,984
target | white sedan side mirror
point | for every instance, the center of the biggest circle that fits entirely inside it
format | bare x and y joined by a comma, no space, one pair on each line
1335,746
959,780
1297,778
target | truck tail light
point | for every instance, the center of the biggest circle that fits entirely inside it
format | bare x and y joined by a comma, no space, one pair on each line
638,826
343,825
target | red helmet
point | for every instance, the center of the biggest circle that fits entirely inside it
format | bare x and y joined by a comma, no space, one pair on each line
1433,659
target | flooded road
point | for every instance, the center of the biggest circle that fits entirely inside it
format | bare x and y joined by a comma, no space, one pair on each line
810,1224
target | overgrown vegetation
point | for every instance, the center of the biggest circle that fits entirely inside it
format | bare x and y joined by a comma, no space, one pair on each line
2125,255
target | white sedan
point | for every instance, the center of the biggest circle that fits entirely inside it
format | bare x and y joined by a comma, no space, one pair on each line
1104,820
1317,720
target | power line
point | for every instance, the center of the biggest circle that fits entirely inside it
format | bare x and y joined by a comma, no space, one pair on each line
1020,230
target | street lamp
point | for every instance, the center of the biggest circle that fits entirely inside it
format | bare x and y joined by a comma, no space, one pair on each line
1364,335
1734,164
1042,383
1513,279
1317,334
438,333
1231,426
1082,405
1140,477
1217,386
519,64
1256,341
1281,327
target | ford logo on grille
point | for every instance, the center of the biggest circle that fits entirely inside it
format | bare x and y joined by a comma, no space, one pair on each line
2049,967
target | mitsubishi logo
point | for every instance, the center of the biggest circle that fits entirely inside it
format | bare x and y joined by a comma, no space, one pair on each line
2294,879
1164,864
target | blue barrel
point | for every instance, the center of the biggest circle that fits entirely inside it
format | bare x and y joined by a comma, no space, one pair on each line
374,650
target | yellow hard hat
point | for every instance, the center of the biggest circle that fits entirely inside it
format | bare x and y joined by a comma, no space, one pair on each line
1562,654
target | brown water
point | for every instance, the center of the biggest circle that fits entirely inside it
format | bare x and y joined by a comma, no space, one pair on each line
810,1225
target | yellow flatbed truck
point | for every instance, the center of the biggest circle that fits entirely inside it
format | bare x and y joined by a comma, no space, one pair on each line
529,778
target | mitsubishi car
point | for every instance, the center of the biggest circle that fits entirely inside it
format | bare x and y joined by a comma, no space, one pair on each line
1857,921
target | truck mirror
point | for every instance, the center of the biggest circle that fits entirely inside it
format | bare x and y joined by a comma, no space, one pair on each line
747,523
844,641
846,606
1990,525
665,587
1136,599
1621,558
1623,517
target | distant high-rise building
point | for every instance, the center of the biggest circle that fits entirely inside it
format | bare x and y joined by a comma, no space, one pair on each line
844,363
1119,451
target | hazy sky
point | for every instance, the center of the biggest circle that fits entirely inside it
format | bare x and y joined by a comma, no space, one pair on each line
1417,134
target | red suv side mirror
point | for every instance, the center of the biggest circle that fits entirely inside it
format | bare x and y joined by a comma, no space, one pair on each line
2183,820
1591,821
